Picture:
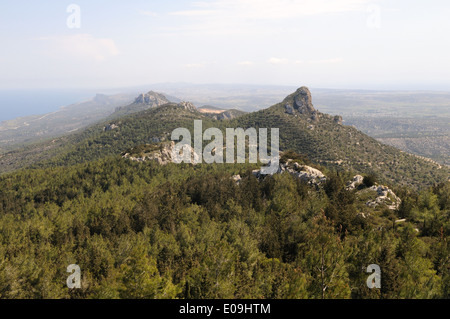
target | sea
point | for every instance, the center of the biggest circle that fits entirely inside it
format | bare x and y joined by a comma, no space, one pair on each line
18,103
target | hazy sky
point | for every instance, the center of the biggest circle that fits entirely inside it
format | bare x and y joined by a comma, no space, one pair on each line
395,44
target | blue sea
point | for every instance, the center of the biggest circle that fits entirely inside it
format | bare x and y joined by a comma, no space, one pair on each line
17,103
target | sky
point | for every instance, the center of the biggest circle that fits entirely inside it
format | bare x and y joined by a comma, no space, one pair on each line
347,44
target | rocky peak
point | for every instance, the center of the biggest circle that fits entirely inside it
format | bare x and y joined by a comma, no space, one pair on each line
151,99
144,102
300,101
303,101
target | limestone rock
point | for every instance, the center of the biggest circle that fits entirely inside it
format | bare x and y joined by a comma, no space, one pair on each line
357,180
163,155
308,174
187,106
151,99
303,101
144,102
289,109
385,196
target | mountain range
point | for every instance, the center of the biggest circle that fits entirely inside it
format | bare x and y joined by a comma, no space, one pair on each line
110,200
321,137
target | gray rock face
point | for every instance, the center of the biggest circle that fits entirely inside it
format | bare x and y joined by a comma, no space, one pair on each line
289,109
144,102
356,181
384,196
303,101
308,174
187,106
151,99
300,102
163,155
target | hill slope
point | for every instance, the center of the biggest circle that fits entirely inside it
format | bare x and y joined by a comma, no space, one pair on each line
325,140
319,136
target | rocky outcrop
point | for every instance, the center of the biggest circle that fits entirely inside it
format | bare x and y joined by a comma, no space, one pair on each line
385,196
308,174
187,106
356,181
303,101
110,127
143,102
152,99
161,154
289,109
300,103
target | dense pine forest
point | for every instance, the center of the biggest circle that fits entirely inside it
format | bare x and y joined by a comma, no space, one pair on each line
142,230
172,152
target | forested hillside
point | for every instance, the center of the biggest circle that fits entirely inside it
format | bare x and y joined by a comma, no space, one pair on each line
141,230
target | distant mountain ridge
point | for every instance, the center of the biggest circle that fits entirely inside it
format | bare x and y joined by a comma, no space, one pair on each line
153,99
142,102
319,136
31,129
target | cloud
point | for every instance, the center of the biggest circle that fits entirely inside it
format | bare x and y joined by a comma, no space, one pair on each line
278,61
84,46
250,17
